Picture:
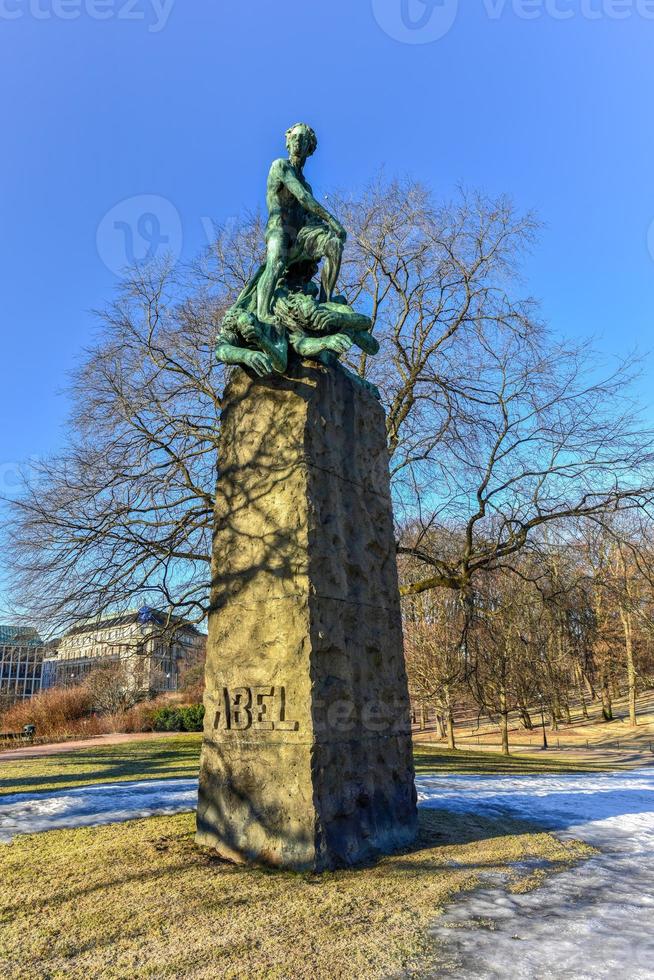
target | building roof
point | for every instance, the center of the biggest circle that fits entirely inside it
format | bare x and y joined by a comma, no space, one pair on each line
24,635
145,616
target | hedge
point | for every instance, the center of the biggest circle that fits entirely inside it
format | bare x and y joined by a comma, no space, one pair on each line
188,719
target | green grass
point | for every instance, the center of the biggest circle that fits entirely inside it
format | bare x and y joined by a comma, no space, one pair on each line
140,899
429,758
177,756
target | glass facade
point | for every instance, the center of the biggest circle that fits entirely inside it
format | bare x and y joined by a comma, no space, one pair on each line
152,664
21,663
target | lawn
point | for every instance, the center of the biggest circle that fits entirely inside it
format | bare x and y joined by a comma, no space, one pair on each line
432,757
139,899
179,756
156,759
592,733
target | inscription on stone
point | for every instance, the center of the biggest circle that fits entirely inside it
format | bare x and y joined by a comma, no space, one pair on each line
261,709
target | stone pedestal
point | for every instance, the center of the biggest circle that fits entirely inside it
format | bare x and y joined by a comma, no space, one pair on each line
306,762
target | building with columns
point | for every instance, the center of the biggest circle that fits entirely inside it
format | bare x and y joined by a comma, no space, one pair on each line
151,649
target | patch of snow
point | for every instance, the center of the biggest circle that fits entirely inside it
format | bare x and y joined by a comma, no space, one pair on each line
88,806
592,922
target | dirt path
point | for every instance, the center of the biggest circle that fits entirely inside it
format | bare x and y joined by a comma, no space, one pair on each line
57,748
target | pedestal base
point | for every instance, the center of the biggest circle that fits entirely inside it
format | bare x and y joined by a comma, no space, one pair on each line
307,761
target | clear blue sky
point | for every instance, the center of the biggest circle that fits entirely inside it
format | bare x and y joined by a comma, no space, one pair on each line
188,100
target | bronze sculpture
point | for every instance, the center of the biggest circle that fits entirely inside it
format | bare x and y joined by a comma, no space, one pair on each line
282,305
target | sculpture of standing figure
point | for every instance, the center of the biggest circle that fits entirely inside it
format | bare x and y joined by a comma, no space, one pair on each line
299,228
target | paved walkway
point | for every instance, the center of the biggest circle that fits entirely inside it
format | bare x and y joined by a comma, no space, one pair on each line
57,748
632,756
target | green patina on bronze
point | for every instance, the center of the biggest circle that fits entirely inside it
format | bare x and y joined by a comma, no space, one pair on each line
283,306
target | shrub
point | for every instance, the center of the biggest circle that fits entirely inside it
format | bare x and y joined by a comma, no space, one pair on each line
191,686
62,713
140,718
57,713
193,717
179,719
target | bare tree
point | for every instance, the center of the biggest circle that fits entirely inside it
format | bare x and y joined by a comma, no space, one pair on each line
495,429
110,689
541,443
123,514
618,552
434,626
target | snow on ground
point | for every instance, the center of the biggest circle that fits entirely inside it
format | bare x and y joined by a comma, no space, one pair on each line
32,813
592,922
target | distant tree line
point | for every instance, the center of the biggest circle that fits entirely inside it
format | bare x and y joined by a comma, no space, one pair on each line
570,622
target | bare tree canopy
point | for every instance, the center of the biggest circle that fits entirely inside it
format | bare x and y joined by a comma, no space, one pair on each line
123,514
495,428
541,441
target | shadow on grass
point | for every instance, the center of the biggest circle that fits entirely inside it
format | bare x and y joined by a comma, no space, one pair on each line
443,828
102,766
429,759
144,893
147,760
438,831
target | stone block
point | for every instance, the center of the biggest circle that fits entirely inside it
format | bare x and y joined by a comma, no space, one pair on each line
306,760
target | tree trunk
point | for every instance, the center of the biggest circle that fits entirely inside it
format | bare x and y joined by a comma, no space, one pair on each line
582,696
504,724
589,685
422,718
607,705
451,741
627,623
525,718
556,706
